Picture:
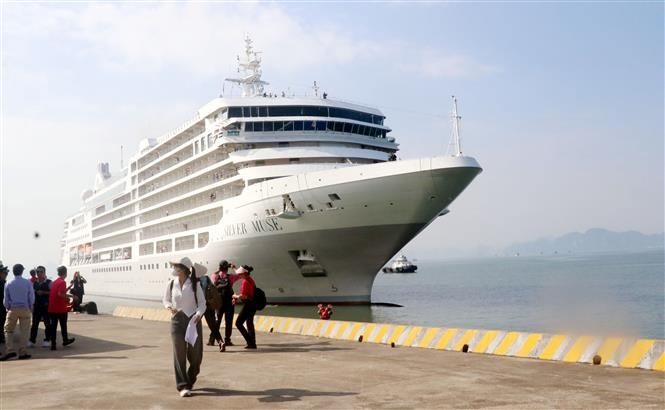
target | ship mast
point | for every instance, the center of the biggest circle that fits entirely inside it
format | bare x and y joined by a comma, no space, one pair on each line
456,138
250,68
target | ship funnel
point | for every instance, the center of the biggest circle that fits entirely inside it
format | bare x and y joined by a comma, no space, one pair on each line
103,174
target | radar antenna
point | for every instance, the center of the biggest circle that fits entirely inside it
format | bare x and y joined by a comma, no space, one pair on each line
456,138
250,70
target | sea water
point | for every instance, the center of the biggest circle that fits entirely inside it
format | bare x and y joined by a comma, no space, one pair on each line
619,293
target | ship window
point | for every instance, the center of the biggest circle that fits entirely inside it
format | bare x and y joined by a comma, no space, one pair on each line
258,126
279,125
203,143
184,242
235,112
309,125
321,125
367,130
298,125
334,197
339,126
283,144
204,237
310,111
372,132
196,147
288,126
348,127
164,246
245,112
263,111
267,126
249,126
330,126
354,129
255,111
147,248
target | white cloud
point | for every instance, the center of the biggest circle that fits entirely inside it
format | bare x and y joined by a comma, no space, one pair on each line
199,38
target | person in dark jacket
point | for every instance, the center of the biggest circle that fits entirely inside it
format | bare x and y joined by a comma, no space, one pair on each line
77,290
4,270
40,311
223,281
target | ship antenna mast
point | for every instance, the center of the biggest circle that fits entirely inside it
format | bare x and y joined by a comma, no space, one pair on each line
121,159
250,70
456,138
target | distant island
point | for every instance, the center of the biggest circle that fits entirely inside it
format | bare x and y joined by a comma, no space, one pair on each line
593,240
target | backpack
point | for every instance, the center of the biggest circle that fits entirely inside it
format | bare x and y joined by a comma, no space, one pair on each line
259,298
213,298
225,289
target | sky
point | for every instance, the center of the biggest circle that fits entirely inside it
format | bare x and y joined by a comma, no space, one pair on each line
562,104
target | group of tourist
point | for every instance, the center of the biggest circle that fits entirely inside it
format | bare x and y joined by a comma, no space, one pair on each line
190,298
28,302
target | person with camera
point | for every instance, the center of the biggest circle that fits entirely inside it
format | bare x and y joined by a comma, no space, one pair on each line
223,281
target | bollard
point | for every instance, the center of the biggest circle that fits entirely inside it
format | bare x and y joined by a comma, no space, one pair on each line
597,359
465,348
392,344
360,338
271,329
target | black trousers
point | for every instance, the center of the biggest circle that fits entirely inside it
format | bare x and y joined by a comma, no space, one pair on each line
213,324
55,318
247,315
3,319
183,352
40,314
227,311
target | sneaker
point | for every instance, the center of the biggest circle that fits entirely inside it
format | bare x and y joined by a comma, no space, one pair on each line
185,393
228,343
7,356
46,343
24,356
31,344
252,347
68,341
222,347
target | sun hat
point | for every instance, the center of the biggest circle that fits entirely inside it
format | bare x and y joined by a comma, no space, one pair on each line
186,262
241,270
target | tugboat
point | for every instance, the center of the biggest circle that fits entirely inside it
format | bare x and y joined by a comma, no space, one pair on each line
400,265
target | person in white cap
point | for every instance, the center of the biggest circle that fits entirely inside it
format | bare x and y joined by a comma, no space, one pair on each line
246,298
185,299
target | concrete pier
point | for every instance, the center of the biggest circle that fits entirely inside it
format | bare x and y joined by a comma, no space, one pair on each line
126,363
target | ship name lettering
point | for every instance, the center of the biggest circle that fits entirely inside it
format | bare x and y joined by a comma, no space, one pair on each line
235,229
268,225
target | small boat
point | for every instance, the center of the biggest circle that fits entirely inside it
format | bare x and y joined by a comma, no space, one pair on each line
400,265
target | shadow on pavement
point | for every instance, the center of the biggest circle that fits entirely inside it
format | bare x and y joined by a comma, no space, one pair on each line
84,346
270,395
288,348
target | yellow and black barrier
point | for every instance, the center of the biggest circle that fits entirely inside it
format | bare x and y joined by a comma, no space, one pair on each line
610,351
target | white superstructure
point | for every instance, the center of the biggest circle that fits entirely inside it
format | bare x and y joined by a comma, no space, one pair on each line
306,189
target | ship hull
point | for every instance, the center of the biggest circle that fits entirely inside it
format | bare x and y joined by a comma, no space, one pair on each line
381,207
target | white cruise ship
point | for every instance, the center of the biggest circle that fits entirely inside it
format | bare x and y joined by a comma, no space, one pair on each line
307,190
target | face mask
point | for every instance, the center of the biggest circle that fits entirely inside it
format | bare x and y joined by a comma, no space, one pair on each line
174,272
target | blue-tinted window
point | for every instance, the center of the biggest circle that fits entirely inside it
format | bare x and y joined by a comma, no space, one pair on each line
263,111
258,126
309,125
288,126
255,111
348,127
235,112
339,126
249,126
298,125
267,126
321,125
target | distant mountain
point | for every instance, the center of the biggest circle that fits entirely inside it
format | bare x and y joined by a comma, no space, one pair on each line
593,240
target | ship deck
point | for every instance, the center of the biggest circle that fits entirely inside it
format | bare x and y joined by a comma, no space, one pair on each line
120,363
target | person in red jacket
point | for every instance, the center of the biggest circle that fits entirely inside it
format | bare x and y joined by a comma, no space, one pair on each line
58,306
246,298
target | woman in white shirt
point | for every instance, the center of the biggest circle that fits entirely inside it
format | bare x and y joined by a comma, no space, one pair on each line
185,307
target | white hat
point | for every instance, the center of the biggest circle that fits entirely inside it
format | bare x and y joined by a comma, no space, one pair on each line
186,262
241,270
